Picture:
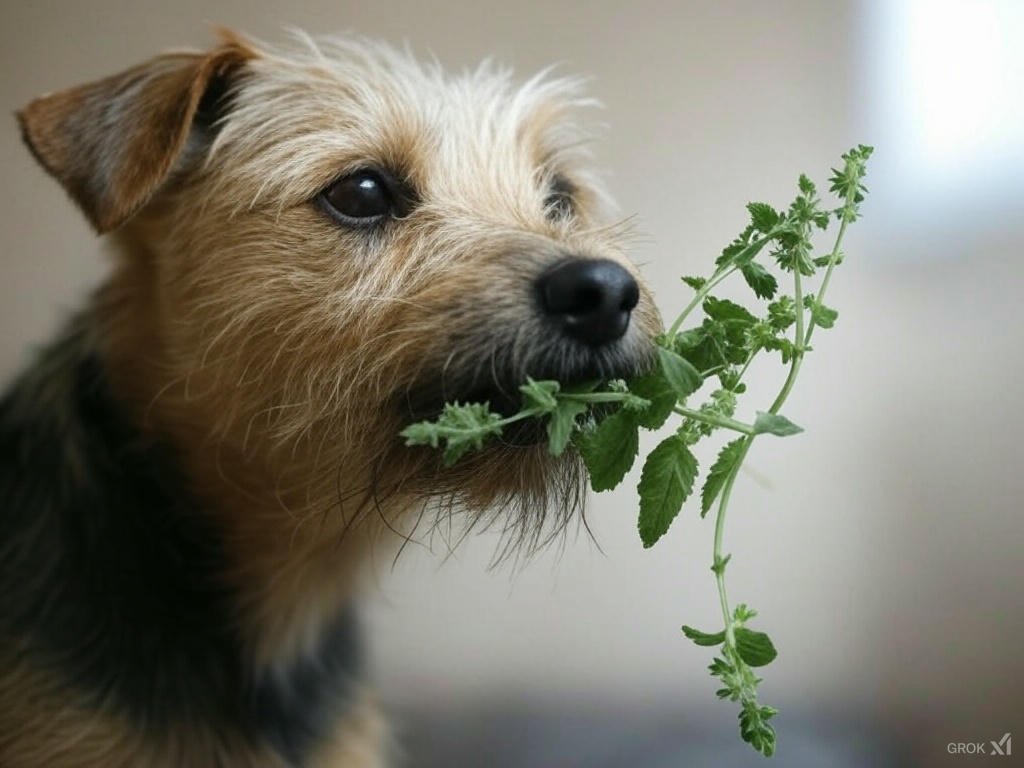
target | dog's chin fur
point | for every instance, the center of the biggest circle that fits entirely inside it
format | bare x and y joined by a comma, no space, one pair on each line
513,483
529,496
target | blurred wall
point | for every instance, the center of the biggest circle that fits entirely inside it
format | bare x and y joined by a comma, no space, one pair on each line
883,546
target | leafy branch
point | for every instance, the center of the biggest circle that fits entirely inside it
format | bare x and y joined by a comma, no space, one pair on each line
723,346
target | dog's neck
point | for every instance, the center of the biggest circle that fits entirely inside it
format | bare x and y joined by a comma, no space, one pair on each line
296,543
127,578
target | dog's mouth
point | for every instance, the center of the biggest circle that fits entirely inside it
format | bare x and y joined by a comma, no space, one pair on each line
500,390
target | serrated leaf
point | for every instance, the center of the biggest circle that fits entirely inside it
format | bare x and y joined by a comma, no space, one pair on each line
743,612
755,648
775,424
784,346
821,315
762,216
719,667
760,280
705,639
666,481
823,261
461,427
654,387
719,473
782,313
540,394
695,282
725,311
679,373
741,250
610,449
754,727
806,185
562,423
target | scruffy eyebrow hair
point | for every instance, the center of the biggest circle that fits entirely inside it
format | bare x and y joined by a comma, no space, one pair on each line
477,119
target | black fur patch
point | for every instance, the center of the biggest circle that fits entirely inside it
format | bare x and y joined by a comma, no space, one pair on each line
109,571
296,706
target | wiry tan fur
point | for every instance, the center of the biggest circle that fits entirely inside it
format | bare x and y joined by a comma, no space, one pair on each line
275,349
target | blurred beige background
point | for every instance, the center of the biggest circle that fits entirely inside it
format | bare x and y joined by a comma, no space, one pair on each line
883,547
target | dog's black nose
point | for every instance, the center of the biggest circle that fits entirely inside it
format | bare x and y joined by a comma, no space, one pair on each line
590,299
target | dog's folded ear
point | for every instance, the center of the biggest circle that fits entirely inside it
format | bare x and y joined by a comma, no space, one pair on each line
112,143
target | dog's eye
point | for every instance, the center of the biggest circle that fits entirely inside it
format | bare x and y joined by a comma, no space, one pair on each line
559,203
362,198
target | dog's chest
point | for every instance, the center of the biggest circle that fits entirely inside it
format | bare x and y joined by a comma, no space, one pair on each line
298,704
112,580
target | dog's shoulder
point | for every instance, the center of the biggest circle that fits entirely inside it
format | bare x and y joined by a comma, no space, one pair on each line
111,575
111,583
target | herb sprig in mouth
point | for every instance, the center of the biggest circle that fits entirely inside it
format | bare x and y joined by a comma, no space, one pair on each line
729,337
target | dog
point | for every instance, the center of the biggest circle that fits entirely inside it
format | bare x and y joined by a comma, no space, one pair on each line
314,245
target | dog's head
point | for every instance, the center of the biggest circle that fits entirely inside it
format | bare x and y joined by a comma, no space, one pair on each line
336,240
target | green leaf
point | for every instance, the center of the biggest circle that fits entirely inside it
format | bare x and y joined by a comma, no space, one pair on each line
754,727
654,387
775,424
795,254
704,638
695,282
784,346
823,261
679,373
540,395
743,612
562,424
760,335
666,481
730,378
719,473
760,280
704,347
806,185
782,313
755,648
741,250
462,428
763,216
727,311
821,315
610,449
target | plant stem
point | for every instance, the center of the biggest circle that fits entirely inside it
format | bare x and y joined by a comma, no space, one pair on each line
720,275
527,414
714,420
723,505
595,397
832,260
719,563
801,340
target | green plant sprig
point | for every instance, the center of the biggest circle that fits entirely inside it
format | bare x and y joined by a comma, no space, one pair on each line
728,339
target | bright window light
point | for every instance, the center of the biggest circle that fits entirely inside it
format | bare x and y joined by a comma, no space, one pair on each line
946,92
963,67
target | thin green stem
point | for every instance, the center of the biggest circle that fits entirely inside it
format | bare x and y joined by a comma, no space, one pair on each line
596,397
798,346
719,562
719,275
527,414
723,504
833,259
714,420
726,269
